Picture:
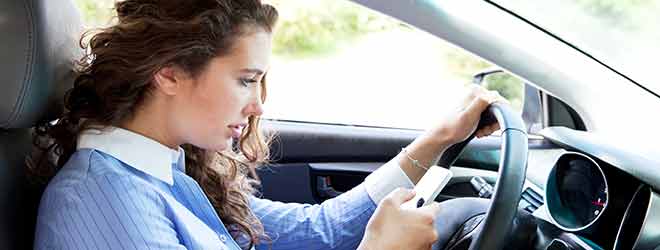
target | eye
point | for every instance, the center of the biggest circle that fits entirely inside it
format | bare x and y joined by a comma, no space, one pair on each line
247,82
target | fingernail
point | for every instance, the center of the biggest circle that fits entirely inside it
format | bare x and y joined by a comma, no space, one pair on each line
420,202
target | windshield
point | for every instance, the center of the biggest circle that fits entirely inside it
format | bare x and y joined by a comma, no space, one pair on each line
622,34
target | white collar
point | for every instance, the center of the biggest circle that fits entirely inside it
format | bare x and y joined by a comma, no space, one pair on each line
138,151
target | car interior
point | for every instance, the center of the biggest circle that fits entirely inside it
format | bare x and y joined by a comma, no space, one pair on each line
578,191
36,60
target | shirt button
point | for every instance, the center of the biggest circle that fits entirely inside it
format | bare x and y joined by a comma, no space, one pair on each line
223,238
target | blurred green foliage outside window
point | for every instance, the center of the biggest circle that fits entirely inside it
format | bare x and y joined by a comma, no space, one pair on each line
318,44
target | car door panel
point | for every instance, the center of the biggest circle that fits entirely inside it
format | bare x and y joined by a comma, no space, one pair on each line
313,162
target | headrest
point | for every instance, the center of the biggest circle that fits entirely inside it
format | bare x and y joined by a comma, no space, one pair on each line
38,48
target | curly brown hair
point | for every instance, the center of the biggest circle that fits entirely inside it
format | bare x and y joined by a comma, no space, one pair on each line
115,77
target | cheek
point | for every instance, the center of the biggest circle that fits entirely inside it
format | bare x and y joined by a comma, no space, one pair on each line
216,106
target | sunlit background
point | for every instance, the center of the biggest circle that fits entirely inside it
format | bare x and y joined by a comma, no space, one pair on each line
338,62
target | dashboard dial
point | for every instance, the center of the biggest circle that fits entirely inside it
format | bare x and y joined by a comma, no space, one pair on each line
576,192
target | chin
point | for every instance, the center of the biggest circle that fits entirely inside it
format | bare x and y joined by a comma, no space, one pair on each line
218,145
223,145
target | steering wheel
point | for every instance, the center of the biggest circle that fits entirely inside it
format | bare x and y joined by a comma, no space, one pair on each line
512,168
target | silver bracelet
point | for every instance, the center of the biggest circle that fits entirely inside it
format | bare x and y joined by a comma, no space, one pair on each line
414,161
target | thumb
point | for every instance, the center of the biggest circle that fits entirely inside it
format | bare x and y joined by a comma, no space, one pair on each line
401,195
432,209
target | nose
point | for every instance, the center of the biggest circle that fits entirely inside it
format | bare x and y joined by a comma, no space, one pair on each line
255,106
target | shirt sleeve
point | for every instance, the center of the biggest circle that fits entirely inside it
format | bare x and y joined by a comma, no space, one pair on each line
337,223
386,179
108,212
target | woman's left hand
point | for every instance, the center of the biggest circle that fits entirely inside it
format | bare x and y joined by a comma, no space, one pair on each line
452,129
462,123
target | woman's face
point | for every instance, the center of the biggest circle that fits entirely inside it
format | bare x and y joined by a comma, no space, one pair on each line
214,107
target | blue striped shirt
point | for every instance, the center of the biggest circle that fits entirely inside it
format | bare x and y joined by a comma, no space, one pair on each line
121,190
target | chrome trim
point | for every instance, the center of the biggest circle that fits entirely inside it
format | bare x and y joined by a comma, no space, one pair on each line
626,215
547,194
563,243
581,243
649,235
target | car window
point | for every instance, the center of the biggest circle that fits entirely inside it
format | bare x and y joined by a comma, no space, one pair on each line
339,62
622,34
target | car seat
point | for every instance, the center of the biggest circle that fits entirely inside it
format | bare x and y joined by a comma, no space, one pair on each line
38,48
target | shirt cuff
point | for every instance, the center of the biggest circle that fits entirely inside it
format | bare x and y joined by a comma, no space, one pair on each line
386,179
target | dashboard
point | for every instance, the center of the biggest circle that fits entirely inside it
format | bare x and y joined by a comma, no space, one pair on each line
577,192
595,196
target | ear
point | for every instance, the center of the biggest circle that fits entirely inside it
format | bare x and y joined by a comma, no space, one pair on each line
169,80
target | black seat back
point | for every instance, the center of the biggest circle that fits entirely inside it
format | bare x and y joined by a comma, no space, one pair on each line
38,46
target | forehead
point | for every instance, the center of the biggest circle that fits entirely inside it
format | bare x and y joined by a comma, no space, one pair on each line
251,50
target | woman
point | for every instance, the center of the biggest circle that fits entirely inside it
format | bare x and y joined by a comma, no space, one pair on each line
145,155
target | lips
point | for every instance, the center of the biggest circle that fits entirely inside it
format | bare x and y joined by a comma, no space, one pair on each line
237,129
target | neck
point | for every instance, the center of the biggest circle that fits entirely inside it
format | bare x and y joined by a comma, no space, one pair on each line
148,121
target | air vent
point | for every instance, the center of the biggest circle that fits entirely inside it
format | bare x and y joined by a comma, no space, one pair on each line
531,200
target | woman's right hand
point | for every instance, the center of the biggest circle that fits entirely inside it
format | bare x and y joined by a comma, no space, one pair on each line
394,228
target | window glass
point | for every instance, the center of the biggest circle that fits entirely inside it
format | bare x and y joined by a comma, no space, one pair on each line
622,34
339,62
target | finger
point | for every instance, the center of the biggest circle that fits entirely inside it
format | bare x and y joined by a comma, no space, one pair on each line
503,100
488,130
432,209
428,236
496,126
495,96
435,208
492,96
478,105
400,195
475,90
491,128
434,236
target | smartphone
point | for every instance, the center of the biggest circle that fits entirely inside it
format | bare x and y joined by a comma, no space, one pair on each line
429,187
